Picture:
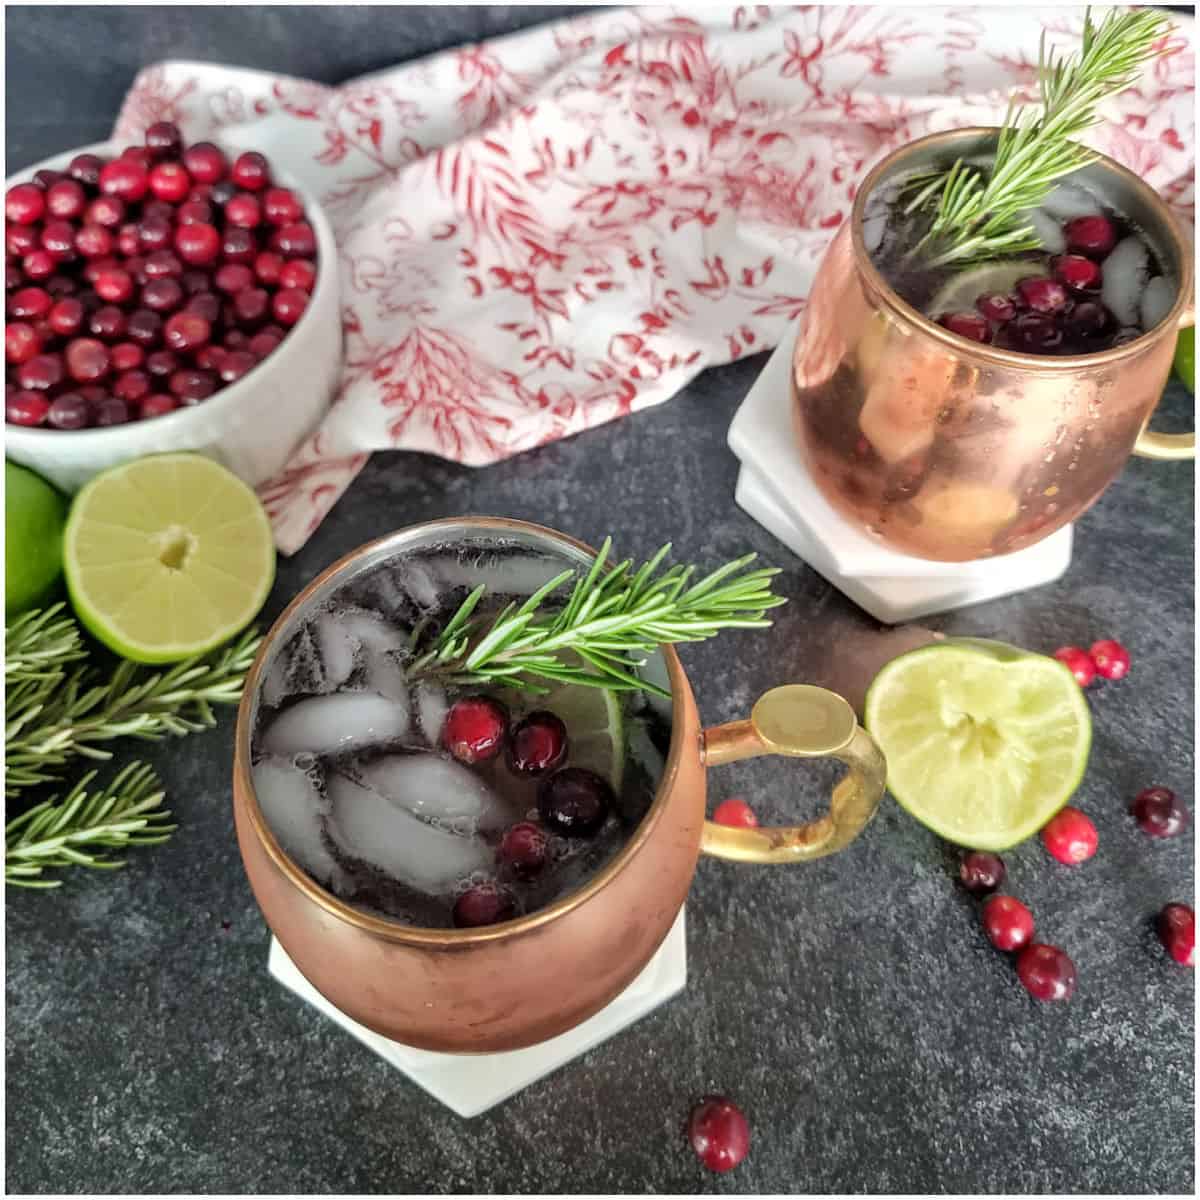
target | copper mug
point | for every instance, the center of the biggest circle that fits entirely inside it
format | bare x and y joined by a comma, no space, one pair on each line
514,984
953,450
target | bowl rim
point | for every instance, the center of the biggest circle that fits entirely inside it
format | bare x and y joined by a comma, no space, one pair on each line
202,415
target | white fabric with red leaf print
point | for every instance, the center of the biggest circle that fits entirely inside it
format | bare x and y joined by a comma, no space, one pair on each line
553,229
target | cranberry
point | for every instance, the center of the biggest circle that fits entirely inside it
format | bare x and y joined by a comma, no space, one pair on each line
71,411
201,191
251,171
243,210
58,286
154,233
235,339
298,273
575,802
85,169
1041,295
41,373
39,264
1007,922
13,275
238,245
163,139
281,206
58,239
93,241
46,179
1078,273
114,286
112,411
162,295
967,325
24,204
29,303
125,178
66,317
20,239
221,193
161,363
163,262
138,154
262,344
21,342
66,199
251,306
538,744
236,363
108,211
197,244
109,322
996,307
288,305
475,728
1088,319
129,242
1177,929
1078,662
125,356
268,267
735,812
145,327
524,848
1159,812
1035,333
209,358
1111,659
206,305
87,359
186,331
205,163
233,277
157,405
1070,836
194,281
719,1133
484,904
1094,236
131,386
1046,972
295,241
192,386
26,408
981,872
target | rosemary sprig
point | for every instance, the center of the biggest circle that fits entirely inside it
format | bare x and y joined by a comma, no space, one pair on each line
978,215
78,829
58,708
610,622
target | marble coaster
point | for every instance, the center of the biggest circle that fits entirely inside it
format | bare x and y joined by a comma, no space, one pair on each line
470,1084
775,488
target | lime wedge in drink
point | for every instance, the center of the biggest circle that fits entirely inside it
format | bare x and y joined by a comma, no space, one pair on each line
984,742
960,294
594,728
167,557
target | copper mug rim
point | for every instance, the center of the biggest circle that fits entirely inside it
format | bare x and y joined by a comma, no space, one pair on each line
396,931
990,354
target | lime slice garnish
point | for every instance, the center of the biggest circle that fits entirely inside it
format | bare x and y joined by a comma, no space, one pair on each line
595,732
34,515
984,742
960,294
167,557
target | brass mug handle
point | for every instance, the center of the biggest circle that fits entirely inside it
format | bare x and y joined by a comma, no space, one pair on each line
1169,446
802,722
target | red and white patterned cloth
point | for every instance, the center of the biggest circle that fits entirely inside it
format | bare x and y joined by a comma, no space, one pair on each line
556,228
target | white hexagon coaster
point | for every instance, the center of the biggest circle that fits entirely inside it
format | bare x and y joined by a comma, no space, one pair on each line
775,488
472,1083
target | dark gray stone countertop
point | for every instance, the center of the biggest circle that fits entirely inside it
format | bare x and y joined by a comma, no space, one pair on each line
852,1006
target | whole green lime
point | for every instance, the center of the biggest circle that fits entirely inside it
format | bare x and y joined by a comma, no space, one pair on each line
1185,358
34,516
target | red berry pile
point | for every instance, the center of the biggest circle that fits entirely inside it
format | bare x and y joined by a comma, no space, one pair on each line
1055,313
148,282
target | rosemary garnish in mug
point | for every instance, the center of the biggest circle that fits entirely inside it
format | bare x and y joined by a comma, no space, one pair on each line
611,620
977,214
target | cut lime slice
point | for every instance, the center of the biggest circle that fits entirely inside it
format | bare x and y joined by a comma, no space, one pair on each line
984,742
960,294
595,730
167,556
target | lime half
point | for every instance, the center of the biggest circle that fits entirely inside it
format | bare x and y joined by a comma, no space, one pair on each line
1185,358
595,734
167,557
34,515
960,294
984,742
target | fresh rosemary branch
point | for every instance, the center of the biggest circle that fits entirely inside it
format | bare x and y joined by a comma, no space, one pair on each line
978,215
611,620
78,829
57,708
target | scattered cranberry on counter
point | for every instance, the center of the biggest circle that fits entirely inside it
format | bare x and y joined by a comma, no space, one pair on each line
981,872
735,812
1046,972
475,729
1078,662
1159,812
719,1133
1070,836
1007,923
1177,930
1111,659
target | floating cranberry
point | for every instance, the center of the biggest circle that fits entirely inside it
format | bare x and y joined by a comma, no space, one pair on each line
484,904
112,411
1041,295
158,404
186,331
125,178
115,286
24,203
26,408
66,317
66,199
1046,972
1177,930
93,241
967,325
21,342
233,277
85,169
162,295
295,241
281,206
1088,319
109,322
145,327
192,386
996,307
106,211
1034,333
87,359
575,802
719,1133
981,872
1007,922
235,364
1078,662
205,163
1076,272
1070,836
537,744
524,848
197,244
475,728
1093,236
288,305
163,139
238,245
1111,659
40,373
298,273
244,210
125,356
251,171
268,267
1159,812
735,812
71,411
29,303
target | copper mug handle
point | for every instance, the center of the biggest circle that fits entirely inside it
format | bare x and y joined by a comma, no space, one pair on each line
1169,446
801,722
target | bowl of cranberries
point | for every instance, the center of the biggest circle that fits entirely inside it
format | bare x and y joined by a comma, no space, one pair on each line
161,297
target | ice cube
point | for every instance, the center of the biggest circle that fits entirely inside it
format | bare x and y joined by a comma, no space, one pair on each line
274,680
338,649
432,707
1125,272
436,789
1048,230
292,804
1069,200
1157,300
507,573
874,227
387,677
421,586
374,633
332,724
369,827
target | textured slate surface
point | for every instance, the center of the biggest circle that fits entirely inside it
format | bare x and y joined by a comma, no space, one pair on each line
852,1006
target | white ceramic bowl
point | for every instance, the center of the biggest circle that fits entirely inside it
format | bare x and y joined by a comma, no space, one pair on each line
251,426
